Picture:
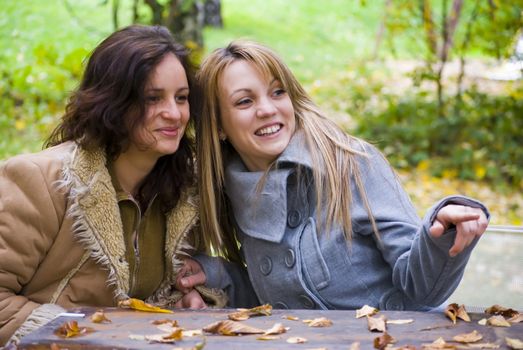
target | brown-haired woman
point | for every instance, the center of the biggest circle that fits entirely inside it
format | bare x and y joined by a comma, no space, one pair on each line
104,212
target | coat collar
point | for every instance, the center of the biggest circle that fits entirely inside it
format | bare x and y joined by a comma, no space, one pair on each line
263,214
94,207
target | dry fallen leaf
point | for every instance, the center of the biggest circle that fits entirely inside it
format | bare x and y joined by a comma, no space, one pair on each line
268,337
438,344
355,346
383,340
228,327
366,310
501,310
319,322
471,337
516,318
514,343
192,332
71,329
406,321
482,322
376,324
296,340
244,314
140,305
454,311
498,321
172,323
290,318
99,317
277,328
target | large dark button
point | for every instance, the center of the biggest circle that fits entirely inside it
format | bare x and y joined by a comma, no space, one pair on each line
294,219
306,301
280,305
266,265
290,259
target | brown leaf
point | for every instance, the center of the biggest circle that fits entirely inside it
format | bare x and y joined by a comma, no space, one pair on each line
501,310
71,329
376,324
319,322
268,337
383,340
514,343
498,321
290,318
99,317
244,314
438,344
366,310
172,323
471,337
454,311
296,340
277,328
140,305
516,318
228,327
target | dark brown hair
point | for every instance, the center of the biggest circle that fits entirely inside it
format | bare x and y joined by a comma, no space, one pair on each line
110,104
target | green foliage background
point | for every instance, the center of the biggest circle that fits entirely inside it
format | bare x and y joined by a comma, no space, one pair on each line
328,44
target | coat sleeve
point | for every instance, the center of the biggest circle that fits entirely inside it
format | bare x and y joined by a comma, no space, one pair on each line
421,267
230,277
29,222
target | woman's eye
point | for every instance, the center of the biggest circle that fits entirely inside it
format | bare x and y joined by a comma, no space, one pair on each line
243,102
152,99
279,92
181,98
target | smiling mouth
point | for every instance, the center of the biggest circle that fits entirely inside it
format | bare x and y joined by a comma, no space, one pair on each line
269,130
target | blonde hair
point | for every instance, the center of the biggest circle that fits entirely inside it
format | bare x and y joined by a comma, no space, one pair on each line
333,158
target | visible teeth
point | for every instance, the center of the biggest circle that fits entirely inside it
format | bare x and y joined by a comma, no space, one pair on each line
268,130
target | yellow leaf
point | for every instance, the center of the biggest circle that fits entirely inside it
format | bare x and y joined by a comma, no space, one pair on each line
140,305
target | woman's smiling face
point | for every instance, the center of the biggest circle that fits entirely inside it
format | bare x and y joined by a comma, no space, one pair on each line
256,114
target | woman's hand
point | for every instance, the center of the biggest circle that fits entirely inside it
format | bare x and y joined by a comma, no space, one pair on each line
191,275
470,224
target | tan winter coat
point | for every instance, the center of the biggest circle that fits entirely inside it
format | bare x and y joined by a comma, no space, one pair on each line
61,238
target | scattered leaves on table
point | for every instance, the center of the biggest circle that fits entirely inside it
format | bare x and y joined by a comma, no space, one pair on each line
501,310
514,343
405,321
277,328
140,305
383,340
318,322
296,340
244,314
366,310
377,324
498,321
455,311
71,329
99,317
228,327
471,337
172,323
439,343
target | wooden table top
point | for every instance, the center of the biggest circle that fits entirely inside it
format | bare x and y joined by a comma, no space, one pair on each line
126,325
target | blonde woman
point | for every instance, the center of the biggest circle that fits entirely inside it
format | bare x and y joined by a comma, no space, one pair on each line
318,215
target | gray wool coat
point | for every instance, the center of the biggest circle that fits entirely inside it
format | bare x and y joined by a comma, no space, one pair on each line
291,265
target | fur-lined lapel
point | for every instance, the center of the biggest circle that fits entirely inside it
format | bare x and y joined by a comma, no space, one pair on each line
94,207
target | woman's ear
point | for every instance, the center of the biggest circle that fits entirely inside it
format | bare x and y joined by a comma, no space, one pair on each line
221,135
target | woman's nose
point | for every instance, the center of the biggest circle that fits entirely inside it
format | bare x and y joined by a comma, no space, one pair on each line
265,108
